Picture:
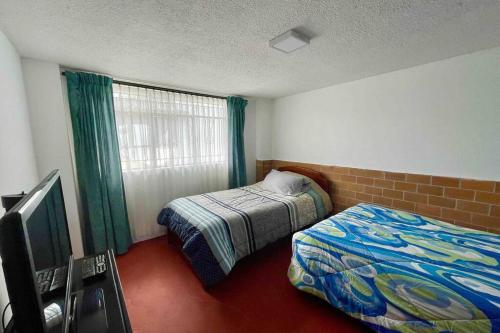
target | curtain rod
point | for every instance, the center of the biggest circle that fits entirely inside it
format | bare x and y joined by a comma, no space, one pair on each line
140,85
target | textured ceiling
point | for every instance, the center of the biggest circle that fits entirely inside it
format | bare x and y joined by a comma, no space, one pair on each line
221,46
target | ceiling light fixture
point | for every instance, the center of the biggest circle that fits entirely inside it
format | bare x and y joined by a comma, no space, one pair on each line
289,41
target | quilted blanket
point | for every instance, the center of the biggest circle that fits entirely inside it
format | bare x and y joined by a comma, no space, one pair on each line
218,229
401,272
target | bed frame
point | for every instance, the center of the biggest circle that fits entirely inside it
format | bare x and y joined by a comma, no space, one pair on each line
314,175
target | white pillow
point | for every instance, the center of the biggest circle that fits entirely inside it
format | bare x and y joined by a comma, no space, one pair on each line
285,183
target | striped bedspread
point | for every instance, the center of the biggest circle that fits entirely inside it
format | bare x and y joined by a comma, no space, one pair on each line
218,229
401,272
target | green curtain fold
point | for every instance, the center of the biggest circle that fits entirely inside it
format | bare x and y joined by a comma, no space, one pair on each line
105,222
236,119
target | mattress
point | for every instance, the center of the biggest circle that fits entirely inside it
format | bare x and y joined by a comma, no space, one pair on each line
218,229
401,272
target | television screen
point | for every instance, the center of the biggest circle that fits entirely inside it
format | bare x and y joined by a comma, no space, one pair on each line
48,232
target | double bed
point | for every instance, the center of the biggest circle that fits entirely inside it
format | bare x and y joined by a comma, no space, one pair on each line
401,272
218,229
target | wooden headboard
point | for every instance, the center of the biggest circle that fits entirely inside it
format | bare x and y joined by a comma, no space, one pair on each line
314,175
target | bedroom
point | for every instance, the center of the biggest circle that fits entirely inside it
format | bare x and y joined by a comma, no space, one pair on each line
382,128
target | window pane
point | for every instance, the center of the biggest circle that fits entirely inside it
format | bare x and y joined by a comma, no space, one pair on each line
158,129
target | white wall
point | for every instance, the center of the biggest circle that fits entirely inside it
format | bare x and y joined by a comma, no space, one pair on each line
50,135
258,133
441,118
250,140
264,121
17,167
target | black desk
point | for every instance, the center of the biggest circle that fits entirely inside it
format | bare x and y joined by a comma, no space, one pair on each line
109,282
116,310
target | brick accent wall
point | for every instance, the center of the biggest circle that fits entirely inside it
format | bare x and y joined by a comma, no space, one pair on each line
466,202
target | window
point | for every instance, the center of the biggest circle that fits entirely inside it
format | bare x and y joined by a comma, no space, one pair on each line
159,129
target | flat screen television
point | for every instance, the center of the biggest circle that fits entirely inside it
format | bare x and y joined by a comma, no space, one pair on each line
34,238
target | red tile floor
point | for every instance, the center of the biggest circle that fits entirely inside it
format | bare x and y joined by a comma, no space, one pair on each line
164,295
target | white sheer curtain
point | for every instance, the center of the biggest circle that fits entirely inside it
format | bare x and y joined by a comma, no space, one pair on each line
171,145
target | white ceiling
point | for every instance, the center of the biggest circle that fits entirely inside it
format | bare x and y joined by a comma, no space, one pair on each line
221,46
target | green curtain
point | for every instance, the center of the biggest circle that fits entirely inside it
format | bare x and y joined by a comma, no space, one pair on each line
105,222
236,118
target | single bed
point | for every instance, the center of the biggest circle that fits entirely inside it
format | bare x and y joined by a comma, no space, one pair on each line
401,272
218,229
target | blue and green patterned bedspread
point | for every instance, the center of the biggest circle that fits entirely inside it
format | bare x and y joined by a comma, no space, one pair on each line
401,272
